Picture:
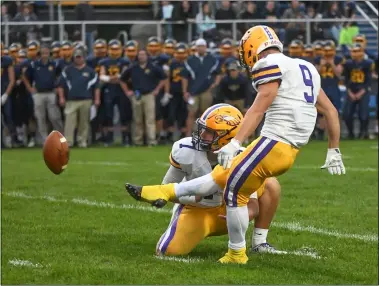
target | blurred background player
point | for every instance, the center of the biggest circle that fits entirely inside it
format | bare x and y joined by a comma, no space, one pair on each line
55,50
358,81
330,67
169,47
148,79
161,60
201,76
234,87
65,55
82,82
7,84
33,49
296,49
308,53
318,48
93,61
177,106
40,80
113,94
131,50
192,48
13,51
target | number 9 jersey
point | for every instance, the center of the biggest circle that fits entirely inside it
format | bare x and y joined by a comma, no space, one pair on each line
292,115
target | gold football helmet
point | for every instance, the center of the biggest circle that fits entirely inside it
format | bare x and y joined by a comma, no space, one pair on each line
216,127
254,41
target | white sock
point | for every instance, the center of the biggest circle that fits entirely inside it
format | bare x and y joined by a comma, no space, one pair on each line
202,186
259,236
237,220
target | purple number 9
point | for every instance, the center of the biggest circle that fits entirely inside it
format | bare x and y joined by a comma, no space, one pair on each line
307,78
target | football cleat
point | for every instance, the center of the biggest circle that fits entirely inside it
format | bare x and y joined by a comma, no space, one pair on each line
234,257
264,248
136,193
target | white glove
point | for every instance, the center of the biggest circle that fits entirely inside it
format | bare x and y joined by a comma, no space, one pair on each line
4,98
334,162
166,99
227,153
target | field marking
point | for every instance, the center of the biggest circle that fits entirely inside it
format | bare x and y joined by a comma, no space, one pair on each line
375,147
26,263
305,251
291,226
179,259
296,227
101,163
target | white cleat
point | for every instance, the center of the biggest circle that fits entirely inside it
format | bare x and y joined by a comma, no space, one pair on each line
31,143
265,248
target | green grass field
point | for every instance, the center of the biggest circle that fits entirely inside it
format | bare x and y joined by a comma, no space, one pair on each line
82,228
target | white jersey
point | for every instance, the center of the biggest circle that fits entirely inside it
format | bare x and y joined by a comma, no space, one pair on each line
292,115
194,164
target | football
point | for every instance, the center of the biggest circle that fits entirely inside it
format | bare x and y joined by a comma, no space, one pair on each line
56,152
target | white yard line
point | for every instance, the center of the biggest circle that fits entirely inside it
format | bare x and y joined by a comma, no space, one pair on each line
101,163
26,263
301,252
179,259
375,147
291,226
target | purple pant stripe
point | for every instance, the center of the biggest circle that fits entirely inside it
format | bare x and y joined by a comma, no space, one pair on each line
172,231
238,167
250,169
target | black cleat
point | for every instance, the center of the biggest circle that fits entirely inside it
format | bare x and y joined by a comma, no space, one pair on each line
135,192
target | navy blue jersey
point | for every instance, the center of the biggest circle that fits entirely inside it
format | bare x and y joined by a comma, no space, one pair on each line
6,62
114,67
21,68
176,68
160,60
328,77
308,59
62,63
94,63
358,74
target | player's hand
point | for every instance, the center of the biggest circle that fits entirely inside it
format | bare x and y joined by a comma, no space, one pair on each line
186,96
227,153
130,93
166,99
97,102
62,101
4,98
334,162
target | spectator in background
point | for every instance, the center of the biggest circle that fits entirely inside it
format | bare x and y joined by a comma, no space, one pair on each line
225,13
207,29
294,29
183,11
82,82
85,12
165,15
250,13
234,87
4,18
349,9
27,32
199,78
270,12
316,30
148,80
40,80
348,32
332,30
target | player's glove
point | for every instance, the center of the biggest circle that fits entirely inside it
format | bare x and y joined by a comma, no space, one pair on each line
334,162
227,153
166,99
4,98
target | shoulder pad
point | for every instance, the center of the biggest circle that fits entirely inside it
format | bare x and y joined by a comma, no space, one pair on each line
182,152
266,70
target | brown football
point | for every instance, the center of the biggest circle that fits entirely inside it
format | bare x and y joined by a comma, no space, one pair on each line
56,152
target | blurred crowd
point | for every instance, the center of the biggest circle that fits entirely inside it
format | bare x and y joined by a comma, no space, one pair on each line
153,95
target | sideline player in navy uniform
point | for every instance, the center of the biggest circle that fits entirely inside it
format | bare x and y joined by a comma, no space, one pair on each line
177,106
110,71
358,81
296,49
308,54
131,50
55,50
330,67
7,84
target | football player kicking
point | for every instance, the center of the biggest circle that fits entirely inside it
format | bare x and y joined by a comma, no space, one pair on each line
290,95
196,218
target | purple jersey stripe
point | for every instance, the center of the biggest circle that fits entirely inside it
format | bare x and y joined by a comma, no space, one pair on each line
250,169
238,167
173,230
267,76
265,69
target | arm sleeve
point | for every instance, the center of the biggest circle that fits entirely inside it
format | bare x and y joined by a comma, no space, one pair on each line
173,175
264,71
125,75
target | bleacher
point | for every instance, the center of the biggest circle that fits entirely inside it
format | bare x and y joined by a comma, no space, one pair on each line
367,29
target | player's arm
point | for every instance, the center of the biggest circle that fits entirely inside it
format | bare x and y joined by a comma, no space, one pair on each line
266,95
333,160
326,108
27,79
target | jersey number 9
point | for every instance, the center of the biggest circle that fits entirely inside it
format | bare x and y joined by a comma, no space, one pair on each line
307,79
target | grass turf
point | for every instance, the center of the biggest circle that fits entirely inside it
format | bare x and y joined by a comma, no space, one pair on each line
60,223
